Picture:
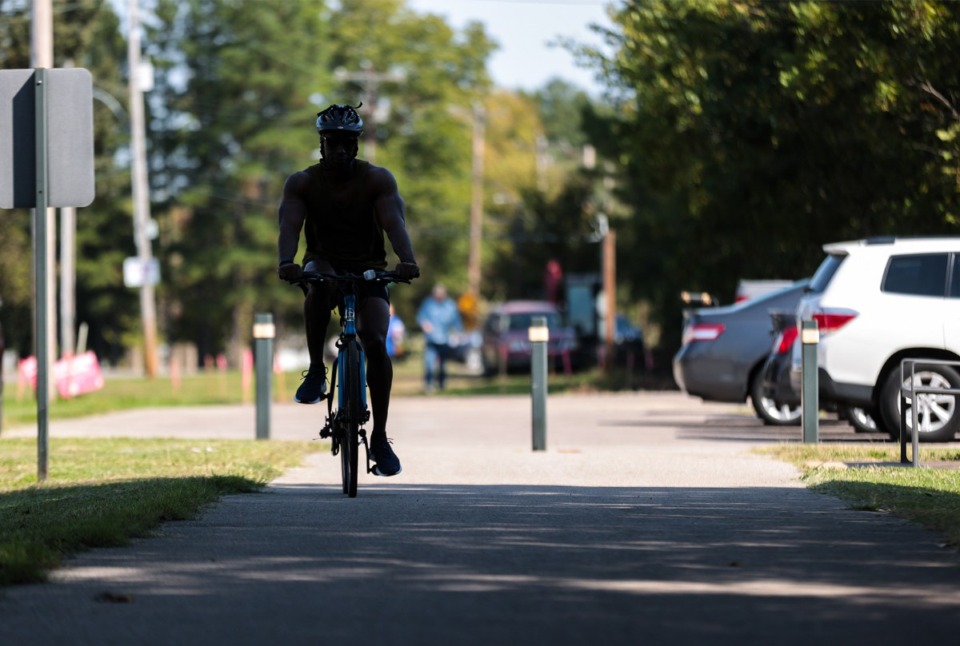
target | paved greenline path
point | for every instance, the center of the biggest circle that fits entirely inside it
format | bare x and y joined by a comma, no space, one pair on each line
647,520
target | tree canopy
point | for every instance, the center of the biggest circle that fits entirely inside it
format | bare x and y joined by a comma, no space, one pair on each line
746,134
86,34
734,138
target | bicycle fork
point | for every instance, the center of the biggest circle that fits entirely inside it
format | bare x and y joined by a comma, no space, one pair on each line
335,424
364,410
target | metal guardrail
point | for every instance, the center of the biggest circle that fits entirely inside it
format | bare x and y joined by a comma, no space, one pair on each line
908,389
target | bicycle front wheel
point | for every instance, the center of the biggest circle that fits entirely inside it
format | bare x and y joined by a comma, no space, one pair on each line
351,412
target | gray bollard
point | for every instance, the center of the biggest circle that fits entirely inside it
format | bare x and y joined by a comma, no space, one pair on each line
263,333
810,389
539,335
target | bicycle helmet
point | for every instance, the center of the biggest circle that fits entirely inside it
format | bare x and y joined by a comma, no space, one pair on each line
340,118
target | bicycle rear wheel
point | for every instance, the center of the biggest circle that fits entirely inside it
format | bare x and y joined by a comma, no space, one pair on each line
350,412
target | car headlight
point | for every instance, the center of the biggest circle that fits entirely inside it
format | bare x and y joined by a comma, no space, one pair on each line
519,345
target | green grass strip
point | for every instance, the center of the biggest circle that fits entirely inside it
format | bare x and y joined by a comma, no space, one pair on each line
871,479
103,492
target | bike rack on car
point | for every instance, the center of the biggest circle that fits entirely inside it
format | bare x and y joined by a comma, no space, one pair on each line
910,365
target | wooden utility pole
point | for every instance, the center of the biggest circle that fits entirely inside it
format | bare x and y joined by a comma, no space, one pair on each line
68,280
370,81
609,296
474,272
68,276
141,193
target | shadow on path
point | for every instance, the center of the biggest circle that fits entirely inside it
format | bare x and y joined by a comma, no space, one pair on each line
445,564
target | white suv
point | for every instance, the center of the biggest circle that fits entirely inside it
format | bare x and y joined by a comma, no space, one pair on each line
878,301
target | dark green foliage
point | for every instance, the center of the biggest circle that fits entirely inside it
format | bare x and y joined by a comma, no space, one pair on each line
86,34
545,229
228,123
735,138
240,119
748,134
237,87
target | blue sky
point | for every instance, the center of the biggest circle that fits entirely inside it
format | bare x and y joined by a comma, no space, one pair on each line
523,28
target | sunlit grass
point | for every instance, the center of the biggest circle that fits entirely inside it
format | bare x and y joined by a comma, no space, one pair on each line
228,387
123,393
872,479
102,492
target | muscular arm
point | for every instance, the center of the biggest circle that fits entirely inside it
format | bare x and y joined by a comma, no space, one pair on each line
292,213
389,206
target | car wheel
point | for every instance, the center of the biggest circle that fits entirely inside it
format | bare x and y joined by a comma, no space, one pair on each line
773,413
939,416
860,419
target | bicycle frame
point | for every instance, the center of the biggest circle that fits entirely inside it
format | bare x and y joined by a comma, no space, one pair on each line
348,334
344,426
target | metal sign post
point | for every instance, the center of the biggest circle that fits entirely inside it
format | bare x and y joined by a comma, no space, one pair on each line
45,161
40,270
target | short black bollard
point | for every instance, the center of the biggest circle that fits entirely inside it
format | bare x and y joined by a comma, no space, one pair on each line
810,391
539,336
263,333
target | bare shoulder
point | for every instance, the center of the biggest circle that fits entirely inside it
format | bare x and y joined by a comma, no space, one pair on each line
295,183
382,180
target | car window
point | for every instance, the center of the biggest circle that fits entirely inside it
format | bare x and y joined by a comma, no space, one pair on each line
919,274
524,320
786,295
825,273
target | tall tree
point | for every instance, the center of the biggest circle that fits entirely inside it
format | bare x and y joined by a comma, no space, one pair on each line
229,123
233,117
86,34
794,123
424,131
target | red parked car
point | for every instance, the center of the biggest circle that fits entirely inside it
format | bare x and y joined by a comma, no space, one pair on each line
506,344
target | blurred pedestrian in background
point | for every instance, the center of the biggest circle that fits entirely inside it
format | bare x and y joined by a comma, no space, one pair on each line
553,282
396,331
438,317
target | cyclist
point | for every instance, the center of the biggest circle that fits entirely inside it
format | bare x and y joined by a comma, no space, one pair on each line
344,205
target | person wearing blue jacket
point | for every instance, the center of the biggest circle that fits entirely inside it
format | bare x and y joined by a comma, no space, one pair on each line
438,317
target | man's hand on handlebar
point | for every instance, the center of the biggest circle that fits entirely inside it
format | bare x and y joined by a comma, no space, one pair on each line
289,271
407,270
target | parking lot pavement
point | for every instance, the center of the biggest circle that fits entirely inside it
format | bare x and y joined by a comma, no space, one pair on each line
647,520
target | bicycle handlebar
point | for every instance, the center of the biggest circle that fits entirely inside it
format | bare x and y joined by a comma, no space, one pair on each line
369,276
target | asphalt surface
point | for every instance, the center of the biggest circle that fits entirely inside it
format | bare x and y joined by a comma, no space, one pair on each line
647,520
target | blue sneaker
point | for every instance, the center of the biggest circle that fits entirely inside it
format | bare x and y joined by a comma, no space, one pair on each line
387,462
314,386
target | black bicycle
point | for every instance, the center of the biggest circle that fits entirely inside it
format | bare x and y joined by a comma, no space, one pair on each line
344,425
